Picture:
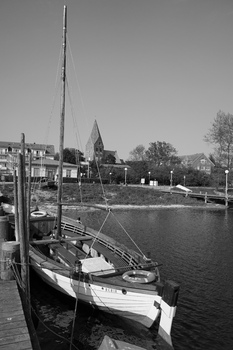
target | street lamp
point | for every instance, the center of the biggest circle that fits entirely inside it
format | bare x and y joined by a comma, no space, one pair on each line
171,178
88,168
110,174
149,176
125,175
184,180
226,190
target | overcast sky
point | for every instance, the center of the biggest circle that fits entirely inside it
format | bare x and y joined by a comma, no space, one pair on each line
146,70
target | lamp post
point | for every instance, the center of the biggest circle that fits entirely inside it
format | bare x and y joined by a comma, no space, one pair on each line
149,176
226,190
125,176
171,178
184,180
110,181
88,168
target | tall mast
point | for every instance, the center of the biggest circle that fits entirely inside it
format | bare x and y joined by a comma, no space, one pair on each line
62,122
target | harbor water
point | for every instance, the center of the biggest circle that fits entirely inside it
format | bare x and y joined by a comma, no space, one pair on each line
195,248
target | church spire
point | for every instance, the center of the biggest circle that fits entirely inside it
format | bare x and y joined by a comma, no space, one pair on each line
95,145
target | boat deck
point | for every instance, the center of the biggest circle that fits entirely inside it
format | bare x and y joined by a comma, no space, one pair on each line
111,255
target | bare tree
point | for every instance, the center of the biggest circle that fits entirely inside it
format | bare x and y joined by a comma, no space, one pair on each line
221,135
138,153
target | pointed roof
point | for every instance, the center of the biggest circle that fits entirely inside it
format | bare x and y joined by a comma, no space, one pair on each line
194,157
95,134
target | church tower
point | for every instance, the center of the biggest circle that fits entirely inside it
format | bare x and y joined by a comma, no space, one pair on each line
95,145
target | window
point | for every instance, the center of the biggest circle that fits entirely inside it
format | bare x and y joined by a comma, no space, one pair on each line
68,173
36,171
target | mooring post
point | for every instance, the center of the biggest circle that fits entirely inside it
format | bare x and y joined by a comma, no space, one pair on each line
16,206
10,253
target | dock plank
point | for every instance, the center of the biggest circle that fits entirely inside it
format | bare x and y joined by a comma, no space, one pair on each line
13,327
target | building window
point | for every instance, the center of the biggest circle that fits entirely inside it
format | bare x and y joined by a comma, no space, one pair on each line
36,171
68,173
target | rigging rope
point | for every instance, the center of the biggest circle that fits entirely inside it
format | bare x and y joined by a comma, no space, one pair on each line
128,235
77,82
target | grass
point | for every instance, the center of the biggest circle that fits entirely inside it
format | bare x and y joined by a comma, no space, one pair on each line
115,194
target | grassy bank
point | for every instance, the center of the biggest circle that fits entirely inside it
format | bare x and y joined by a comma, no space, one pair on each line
115,194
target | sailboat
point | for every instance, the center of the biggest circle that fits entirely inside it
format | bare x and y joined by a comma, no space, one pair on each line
90,266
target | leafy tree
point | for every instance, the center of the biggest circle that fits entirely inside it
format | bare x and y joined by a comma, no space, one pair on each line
221,135
71,155
138,153
138,170
162,154
110,159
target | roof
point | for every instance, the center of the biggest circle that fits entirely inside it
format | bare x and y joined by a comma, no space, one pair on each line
34,146
114,154
95,134
194,157
52,162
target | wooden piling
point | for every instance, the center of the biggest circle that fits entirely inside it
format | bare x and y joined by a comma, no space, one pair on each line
10,253
4,227
16,206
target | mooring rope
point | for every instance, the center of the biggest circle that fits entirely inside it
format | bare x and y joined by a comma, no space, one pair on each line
19,282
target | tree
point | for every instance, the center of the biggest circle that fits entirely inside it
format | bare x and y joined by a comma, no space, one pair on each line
71,155
138,170
138,153
221,135
162,154
110,159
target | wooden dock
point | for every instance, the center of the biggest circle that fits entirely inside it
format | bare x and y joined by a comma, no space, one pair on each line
13,327
207,197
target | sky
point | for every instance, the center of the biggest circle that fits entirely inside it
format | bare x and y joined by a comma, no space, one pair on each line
146,70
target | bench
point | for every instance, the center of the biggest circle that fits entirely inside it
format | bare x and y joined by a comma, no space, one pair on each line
74,250
116,260
64,254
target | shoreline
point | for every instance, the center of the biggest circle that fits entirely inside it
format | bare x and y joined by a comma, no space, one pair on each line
84,207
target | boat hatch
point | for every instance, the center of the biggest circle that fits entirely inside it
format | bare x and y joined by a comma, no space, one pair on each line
97,266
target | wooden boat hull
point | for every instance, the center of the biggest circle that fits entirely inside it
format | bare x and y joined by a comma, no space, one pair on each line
121,299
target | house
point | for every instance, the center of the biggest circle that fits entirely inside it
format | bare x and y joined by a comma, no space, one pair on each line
198,161
95,147
49,168
43,163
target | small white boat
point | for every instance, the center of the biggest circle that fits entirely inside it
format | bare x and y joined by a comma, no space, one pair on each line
111,344
88,265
